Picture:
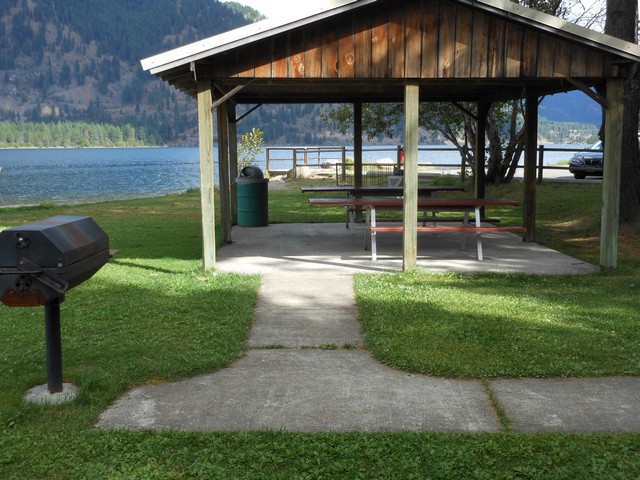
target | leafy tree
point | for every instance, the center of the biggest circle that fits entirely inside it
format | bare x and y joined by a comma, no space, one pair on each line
249,145
455,122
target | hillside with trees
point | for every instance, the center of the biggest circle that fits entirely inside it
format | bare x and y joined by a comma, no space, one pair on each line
69,61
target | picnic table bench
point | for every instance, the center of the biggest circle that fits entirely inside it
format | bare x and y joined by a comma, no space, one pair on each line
434,205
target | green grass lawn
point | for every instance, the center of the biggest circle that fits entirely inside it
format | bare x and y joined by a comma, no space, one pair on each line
152,315
502,325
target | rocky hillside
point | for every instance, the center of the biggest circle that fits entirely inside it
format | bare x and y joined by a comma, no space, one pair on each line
74,60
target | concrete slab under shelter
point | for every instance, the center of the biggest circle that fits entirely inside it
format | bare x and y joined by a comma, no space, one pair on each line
333,247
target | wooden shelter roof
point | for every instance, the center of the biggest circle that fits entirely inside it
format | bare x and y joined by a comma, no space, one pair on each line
365,50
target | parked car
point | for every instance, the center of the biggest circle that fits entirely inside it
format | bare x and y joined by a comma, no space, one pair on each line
589,163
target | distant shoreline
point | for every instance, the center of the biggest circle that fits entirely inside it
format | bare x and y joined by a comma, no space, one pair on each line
349,147
86,148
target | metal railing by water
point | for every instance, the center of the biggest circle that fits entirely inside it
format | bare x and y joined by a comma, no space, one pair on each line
307,156
339,160
373,174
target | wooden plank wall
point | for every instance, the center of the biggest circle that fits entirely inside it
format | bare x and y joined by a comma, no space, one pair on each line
426,39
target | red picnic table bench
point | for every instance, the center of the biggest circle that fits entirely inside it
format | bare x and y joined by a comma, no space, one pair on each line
433,205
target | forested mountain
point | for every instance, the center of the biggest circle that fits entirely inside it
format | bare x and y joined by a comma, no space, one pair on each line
72,60
66,64
571,107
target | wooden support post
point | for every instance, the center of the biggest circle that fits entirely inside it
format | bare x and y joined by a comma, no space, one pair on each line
611,175
410,202
233,162
223,171
294,169
357,143
207,203
357,151
481,151
540,164
530,160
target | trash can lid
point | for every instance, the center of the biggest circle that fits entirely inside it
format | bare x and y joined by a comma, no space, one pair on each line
251,171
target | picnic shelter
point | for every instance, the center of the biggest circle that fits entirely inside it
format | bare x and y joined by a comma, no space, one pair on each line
406,51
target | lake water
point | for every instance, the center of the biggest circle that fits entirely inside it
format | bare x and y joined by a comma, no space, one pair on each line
34,176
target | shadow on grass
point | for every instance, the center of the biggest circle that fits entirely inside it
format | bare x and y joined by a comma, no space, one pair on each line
491,326
126,326
151,268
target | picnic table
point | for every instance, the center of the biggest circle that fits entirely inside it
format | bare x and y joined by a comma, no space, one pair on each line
352,191
433,205
385,191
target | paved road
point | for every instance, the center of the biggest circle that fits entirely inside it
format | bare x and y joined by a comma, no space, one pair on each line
562,176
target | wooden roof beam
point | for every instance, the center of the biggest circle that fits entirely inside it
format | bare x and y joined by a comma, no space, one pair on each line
588,92
228,95
249,112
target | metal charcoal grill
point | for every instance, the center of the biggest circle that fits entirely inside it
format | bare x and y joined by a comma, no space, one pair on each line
40,262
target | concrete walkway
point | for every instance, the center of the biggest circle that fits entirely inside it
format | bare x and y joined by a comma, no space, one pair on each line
306,370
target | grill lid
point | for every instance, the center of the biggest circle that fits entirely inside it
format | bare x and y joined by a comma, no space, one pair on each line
40,261
55,242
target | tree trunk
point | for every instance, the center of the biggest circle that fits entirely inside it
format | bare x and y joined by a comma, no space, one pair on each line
630,179
622,22
503,159
494,165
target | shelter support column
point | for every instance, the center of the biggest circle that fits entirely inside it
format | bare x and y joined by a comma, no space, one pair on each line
357,143
481,136
207,204
480,153
611,175
223,171
233,162
410,203
530,160
357,151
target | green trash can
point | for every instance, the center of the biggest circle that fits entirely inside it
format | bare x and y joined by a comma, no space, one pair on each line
253,198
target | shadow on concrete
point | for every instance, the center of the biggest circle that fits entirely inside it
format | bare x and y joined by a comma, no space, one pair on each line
332,247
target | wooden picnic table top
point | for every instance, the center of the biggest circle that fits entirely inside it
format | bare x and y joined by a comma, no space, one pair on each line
422,202
423,190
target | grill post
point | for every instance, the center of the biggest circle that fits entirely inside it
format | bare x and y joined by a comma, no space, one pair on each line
54,346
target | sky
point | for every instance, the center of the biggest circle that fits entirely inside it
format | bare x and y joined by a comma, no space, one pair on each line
275,8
